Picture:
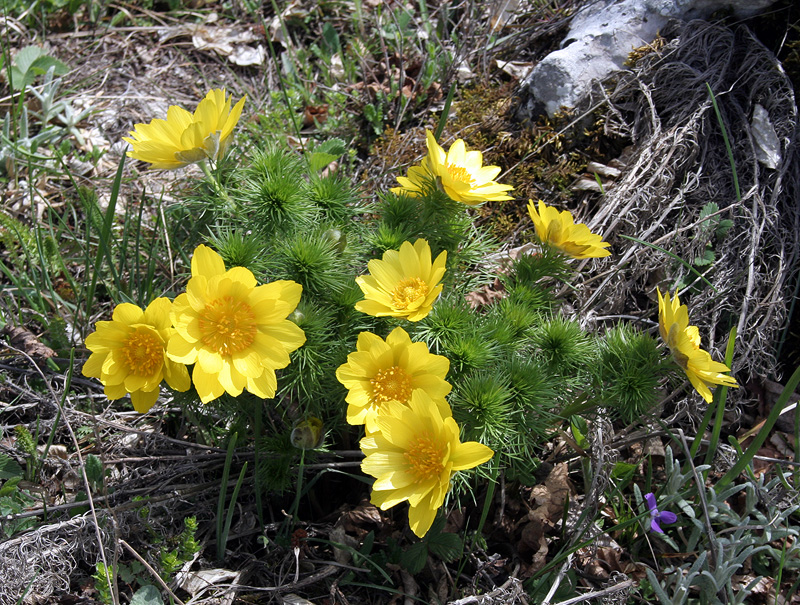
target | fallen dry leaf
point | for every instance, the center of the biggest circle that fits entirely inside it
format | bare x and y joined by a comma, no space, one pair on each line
28,342
486,295
546,503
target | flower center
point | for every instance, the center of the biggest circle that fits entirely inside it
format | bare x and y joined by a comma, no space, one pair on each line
143,351
459,173
424,458
674,347
227,326
408,291
394,383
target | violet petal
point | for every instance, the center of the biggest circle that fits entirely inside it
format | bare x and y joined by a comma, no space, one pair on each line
654,526
667,517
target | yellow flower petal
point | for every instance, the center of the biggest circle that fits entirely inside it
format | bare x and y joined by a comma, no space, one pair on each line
558,229
144,400
683,341
403,283
206,262
184,138
413,455
127,313
234,330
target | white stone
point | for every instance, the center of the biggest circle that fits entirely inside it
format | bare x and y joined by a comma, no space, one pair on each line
600,38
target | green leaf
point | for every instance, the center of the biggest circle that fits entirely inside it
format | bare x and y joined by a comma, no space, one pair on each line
42,64
30,62
335,146
707,258
26,57
723,228
331,38
320,159
414,557
79,510
125,573
10,486
579,429
446,546
94,470
623,470
147,595
9,468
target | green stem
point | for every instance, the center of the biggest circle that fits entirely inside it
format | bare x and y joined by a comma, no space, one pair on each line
720,397
300,470
214,181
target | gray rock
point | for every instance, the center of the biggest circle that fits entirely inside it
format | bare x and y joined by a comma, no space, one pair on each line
601,37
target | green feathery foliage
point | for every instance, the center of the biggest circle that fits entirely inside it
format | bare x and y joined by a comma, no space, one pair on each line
334,194
449,318
483,403
275,469
547,264
536,391
311,375
629,370
469,351
273,194
563,346
313,260
26,444
511,323
238,248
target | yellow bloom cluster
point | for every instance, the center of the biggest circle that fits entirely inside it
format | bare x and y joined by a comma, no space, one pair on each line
683,341
234,332
397,389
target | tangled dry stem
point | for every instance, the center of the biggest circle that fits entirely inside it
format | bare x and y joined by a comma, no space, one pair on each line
680,164
40,562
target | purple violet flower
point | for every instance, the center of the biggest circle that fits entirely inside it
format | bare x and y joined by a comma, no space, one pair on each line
657,516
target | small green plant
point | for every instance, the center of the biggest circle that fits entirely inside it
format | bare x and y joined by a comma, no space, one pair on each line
104,577
31,62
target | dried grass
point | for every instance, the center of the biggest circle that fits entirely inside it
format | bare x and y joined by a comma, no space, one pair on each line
678,164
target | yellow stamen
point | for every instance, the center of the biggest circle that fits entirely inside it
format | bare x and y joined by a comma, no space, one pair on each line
424,458
227,325
459,173
409,291
143,351
394,383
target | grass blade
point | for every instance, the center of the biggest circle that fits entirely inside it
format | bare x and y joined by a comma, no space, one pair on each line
759,439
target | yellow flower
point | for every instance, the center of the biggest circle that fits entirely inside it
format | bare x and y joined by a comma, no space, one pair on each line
235,332
413,455
559,229
185,138
404,284
683,341
129,354
459,173
390,370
